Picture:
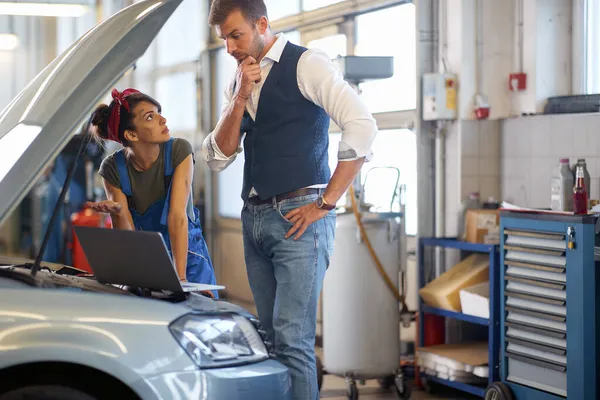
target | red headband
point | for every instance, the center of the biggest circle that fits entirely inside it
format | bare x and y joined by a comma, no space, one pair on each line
115,115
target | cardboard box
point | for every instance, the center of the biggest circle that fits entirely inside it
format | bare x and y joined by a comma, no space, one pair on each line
482,226
475,300
444,291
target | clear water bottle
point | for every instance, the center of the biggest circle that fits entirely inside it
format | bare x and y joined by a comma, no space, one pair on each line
561,198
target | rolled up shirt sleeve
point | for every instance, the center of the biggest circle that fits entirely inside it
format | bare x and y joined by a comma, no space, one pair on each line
212,154
322,83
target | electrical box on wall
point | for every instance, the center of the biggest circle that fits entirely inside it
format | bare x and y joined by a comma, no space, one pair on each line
439,96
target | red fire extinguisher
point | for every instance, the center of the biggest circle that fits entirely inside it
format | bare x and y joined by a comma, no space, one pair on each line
85,217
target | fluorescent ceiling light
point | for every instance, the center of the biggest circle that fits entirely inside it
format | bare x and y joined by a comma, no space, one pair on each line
42,9
8,41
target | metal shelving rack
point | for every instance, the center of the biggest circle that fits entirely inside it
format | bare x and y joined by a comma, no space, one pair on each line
493,323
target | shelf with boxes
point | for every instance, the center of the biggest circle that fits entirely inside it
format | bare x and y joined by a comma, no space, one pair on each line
470,366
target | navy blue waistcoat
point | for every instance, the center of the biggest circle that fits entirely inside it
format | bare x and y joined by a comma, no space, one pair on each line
286,147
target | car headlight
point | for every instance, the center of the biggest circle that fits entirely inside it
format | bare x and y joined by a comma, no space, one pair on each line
219,340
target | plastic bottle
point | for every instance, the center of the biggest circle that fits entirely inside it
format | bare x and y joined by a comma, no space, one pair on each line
561,198
471,202
580,197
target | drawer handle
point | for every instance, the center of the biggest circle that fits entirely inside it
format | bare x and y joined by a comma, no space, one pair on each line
547,285
534,298
535,314
537,346
535,361
535,234
539,267
534,329
535,250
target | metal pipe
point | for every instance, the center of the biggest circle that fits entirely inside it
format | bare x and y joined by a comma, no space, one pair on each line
426,62
440,194
520,22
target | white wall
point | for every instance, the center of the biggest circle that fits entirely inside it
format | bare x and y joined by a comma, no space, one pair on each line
474,154
532,146
547,53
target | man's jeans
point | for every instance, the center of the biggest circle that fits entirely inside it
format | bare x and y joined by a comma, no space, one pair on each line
286,277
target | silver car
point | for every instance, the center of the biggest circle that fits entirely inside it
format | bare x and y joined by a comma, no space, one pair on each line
69,337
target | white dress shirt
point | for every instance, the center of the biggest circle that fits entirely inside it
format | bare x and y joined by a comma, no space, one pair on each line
322,83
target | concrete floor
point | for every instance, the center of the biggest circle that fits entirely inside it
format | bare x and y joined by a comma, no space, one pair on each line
334,389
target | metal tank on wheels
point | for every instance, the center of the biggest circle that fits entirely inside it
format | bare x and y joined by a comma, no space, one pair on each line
361,312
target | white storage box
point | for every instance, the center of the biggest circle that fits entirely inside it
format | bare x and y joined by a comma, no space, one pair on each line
475,300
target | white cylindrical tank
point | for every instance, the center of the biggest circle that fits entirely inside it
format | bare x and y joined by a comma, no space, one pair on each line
361,318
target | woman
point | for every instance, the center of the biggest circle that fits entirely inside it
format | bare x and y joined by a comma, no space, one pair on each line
148,182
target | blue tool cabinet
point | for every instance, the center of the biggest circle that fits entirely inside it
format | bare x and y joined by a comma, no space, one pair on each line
548,306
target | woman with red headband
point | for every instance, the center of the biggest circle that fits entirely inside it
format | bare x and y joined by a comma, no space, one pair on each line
148,182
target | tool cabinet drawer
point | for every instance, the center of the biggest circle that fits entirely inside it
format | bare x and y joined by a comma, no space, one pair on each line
536,375
556,260
533,288
537,338
541,308
542,324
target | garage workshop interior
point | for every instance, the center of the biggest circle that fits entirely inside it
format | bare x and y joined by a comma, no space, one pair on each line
460,262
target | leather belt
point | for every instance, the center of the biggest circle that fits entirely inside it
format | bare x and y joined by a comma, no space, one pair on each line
255,200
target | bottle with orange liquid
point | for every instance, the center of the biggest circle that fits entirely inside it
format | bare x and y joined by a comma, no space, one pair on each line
580,196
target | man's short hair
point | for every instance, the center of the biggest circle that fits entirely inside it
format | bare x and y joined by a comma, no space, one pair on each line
252,10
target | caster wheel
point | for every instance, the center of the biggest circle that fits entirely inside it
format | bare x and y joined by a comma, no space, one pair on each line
404,395
498,391
351,390
402,391
319,373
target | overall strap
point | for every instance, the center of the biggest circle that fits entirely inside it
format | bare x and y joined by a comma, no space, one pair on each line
169,170
124,177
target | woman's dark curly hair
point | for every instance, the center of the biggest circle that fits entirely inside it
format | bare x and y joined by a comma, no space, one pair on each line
101,116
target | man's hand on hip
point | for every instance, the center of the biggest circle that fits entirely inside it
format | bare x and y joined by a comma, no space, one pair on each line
302,217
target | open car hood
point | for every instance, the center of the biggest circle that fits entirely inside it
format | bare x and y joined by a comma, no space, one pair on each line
41,120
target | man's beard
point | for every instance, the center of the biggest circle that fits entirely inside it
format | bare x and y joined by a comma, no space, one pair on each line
258,45
255,50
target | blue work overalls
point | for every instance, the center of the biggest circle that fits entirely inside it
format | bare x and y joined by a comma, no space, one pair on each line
199,266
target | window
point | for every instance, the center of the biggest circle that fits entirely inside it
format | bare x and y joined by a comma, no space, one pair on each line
230,180
278,9
293,37
394,149
177,95
308,5
400,91
592,49
182,37
334,45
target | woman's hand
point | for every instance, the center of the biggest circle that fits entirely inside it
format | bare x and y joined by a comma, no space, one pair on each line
106,206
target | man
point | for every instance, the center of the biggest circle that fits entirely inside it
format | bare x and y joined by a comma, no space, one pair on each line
282,98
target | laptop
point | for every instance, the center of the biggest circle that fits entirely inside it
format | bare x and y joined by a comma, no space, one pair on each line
133,258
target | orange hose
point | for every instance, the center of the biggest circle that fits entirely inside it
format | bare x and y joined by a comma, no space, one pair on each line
378,264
